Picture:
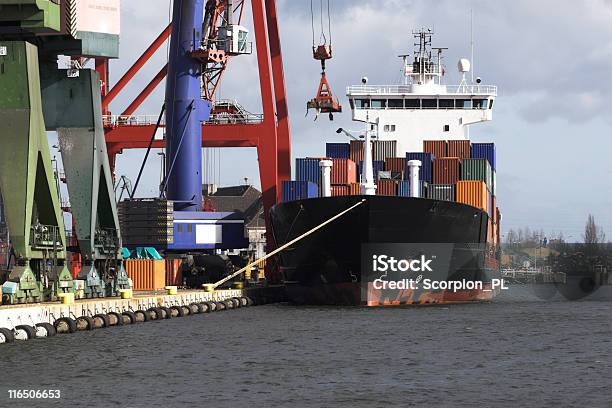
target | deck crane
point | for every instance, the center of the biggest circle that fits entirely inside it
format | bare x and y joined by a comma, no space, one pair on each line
324,101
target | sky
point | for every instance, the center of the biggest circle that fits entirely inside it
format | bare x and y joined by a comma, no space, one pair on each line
550,60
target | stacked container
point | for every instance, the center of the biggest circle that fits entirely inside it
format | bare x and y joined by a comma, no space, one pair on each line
477,169
397,164
339,190
459,148
403,188
343,172
338,150
446,170
377,166
308,170
426,159
474,193
443,192
485,151
439,148
387,187
381,149
299,190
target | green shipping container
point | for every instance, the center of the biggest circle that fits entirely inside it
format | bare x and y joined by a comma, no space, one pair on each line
477,169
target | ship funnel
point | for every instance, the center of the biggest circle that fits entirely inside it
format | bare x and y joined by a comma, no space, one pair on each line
326,166
413,169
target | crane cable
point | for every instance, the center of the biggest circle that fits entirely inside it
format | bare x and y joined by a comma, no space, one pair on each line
323,36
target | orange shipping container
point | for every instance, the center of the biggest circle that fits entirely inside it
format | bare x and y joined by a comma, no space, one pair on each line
459,148
474,193
354,189
173,272
439,148
339,190
344,171
146,274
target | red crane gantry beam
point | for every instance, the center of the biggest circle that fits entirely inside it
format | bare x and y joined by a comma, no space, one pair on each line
271,137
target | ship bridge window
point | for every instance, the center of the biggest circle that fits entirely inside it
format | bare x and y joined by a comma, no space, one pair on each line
412,103
362,103
379,103
395,104
491,104
446,103
480,103
430,103
463,104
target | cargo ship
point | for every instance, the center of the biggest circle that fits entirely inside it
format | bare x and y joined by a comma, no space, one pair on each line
423,195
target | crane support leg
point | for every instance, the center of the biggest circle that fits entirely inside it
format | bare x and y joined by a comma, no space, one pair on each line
28,186
72,107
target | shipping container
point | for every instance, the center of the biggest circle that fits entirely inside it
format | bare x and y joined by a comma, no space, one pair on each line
443,192
386,187
299,190
477,169
307,169
356,151
338,150
438,148
343,171
494,182
381,149
339,190
174,276
446,170
485,151
354,189
146,274
474,193
377,166
426,159
492,207
403,188
459,148
395,164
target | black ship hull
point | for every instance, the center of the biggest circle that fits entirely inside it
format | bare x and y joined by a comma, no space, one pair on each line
326,266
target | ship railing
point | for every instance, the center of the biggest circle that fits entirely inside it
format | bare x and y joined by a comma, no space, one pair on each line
490,90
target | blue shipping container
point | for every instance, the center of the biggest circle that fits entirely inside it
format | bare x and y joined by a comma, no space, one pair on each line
338,150
308,170
299,190
485,151
403,189
426,170
377,165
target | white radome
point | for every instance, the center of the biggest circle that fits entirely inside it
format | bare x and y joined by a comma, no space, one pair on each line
464,65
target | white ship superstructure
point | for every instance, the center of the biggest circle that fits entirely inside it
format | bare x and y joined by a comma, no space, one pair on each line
423,107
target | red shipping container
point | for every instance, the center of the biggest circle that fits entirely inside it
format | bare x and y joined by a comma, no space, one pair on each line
354,189
356,151
459,148
174,276
395,164
339,190
446,170
344,171
439,148
386,187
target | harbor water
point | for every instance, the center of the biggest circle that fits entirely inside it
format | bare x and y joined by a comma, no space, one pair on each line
517,351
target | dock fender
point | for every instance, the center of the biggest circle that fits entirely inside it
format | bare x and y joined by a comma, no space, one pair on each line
116,317
85,323
45,330
29,331
166,310
129,317
220,306
157,312
65,325
6,335
142,316
212,306
196,308
102,320
177,311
